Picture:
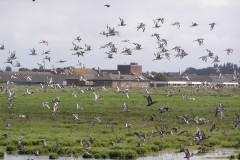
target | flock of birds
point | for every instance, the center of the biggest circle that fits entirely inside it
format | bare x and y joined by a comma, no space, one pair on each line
162,43
54,106
163,51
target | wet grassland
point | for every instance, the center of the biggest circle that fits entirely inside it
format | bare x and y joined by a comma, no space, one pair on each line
103,130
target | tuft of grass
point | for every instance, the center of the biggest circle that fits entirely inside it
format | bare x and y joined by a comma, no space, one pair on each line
11,148
85,155
116,154
231,157
130,154
238,156
1,154
53,156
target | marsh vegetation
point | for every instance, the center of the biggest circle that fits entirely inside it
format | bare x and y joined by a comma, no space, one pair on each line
103,130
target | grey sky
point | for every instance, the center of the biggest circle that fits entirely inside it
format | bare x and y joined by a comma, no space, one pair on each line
25,23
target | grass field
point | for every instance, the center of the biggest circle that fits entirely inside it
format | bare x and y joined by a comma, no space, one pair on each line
110,138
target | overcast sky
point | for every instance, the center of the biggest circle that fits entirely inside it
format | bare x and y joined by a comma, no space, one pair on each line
25,23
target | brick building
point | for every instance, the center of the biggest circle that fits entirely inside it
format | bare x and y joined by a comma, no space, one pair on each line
133,68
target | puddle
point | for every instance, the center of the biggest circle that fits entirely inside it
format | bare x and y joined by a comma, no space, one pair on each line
169,155
211,155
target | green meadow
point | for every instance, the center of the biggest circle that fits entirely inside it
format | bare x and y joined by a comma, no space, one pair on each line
110,138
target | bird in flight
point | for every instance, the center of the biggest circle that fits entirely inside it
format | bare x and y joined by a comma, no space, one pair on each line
107,5
193,24
122,23
141,26
2,47
44,42
229,50
176,24
78,39
149,100
61,61
212,25
199,40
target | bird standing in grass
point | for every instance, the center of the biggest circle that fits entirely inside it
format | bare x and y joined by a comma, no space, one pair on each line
125,108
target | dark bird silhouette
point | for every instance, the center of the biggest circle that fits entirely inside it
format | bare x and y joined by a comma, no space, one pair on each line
193,24
200,136
107,5
212,25
149,100
187,154
182,132
236,121
213,128
122,23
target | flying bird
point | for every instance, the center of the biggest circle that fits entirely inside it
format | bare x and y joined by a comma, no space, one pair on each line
176,24
156,24
44,42
141,26
193,24
61,61
107,5
199,40
122,23
46,52
2,47
229,50
149,100
33,52
78,39
212,25
160,19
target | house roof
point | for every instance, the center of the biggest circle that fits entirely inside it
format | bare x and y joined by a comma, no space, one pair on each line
84,71
192,77
224,78
37,77
201,78
125,77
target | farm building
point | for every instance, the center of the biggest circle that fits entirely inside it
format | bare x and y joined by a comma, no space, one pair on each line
80,77
30,78
196,80
124,75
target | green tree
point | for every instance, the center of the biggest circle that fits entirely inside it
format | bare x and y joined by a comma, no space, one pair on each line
8,68
157,76
23,69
